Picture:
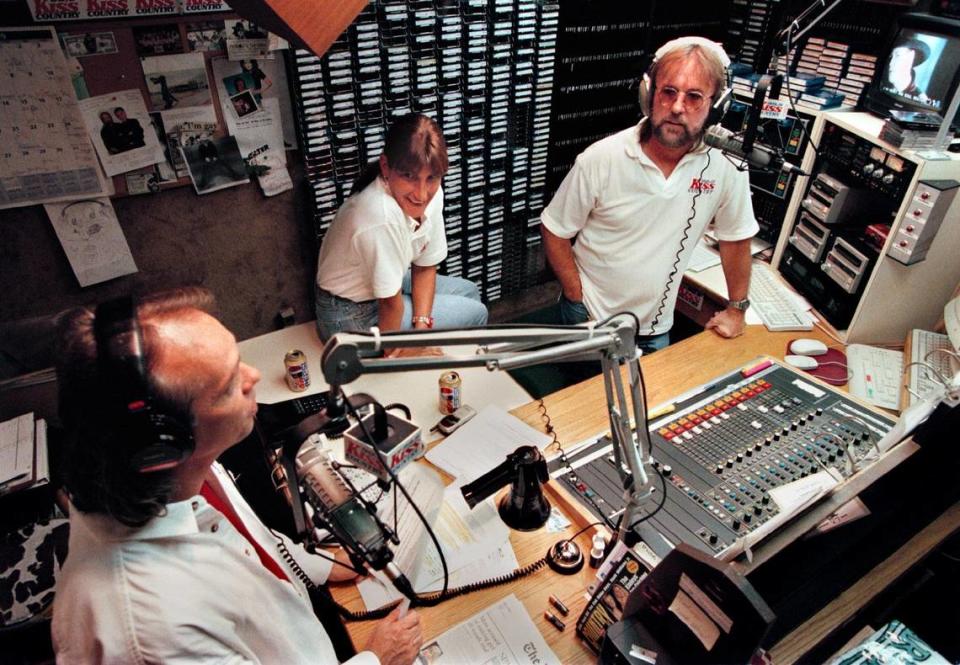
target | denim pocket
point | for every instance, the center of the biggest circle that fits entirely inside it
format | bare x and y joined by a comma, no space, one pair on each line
572,313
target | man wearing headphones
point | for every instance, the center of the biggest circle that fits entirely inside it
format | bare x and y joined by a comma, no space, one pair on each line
167,562
638,201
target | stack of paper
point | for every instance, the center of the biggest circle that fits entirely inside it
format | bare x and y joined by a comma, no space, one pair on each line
23,453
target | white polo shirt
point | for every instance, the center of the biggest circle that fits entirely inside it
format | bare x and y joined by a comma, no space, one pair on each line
630,221
372,243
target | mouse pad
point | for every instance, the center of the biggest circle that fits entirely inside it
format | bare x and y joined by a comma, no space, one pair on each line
835,375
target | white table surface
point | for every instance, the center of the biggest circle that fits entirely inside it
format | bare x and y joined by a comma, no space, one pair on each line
419,390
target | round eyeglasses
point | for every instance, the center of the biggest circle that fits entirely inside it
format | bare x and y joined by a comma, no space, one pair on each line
692,99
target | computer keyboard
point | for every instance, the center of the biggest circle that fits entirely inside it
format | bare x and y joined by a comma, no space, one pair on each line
777,306
928,347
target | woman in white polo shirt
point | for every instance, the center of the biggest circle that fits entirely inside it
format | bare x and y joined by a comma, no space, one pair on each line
378,262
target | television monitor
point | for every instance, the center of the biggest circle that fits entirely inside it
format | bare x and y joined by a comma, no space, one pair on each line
921,70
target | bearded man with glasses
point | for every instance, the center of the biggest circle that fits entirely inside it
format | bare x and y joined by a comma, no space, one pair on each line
637,202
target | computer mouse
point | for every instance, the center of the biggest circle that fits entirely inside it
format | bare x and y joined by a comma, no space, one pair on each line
807,347
801,362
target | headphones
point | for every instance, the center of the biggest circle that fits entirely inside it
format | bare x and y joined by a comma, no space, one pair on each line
156,440
724,95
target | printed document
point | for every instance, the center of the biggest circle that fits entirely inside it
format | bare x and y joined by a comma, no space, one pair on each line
484,443
503,634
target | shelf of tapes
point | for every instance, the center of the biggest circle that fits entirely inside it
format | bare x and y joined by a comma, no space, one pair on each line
484,71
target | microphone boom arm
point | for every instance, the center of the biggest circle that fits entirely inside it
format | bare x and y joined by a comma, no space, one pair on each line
346,356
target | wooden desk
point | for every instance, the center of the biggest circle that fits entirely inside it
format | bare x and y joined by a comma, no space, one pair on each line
579,412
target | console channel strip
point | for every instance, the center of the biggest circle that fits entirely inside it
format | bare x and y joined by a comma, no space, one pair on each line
724,448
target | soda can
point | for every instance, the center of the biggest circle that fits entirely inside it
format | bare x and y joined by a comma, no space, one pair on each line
450,397
297,374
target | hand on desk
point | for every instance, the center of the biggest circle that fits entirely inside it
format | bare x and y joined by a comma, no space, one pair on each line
727,323
413,351
397,641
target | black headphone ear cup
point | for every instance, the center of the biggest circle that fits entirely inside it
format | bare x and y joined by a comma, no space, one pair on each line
170,442
645,92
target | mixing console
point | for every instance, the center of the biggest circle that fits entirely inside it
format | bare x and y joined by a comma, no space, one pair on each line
725,447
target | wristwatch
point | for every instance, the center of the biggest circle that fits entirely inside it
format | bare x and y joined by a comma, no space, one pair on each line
422,319
741,305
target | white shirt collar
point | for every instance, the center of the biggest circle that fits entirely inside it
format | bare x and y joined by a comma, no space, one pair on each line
179,519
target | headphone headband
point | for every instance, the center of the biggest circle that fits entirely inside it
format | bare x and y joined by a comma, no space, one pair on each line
704,43
723,96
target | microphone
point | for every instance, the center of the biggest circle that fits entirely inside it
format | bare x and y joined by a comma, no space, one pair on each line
760,156
348,516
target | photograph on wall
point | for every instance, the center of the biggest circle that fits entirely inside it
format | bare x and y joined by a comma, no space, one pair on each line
174,123
267,79
89,43
215,164
166,170
157,39
246,39
176,80
206,36
243,104
260,140
237,83
119,126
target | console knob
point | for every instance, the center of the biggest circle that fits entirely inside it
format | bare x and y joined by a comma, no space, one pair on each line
924,196
747,518
868,168
735,524
888,179
757,510
719,468
666,470
739,457
729,462
713,539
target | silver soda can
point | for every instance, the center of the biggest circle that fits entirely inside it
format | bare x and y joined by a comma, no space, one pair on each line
297,374
450,395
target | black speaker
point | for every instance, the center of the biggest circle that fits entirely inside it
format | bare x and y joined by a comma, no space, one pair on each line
724,95
157,439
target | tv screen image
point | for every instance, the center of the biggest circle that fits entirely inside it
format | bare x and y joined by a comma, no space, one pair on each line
921,67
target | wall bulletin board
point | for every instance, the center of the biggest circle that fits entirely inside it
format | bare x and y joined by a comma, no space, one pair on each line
157,84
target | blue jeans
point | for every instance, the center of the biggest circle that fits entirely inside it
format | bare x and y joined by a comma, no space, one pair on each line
456,304
574,313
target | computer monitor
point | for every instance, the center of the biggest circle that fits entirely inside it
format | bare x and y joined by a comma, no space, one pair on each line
921,70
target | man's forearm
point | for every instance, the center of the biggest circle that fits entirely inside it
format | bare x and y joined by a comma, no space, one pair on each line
559,253
735,259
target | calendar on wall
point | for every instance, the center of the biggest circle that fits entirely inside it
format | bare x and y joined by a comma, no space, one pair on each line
45,152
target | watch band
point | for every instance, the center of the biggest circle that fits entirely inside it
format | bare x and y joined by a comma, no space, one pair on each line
741,305
422,319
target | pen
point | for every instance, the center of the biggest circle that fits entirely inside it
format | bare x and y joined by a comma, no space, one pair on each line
661,411
559,625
